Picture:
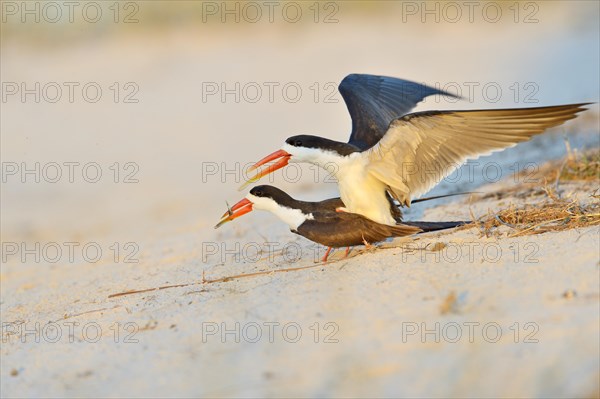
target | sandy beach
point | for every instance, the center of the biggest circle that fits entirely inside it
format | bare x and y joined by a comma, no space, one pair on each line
115,284
449,306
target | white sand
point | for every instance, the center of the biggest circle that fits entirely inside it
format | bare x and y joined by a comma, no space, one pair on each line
541,292
544,287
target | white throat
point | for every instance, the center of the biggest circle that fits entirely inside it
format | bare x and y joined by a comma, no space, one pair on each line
328,160
361,191
292,217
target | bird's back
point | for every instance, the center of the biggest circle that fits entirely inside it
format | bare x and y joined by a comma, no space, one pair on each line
342,229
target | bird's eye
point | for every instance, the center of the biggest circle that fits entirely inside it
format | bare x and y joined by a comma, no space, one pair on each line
298,143
258,193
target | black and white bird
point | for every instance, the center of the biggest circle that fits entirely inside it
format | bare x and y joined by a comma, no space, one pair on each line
393,157
321,223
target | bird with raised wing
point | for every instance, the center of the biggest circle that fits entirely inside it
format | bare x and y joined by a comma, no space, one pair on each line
391,156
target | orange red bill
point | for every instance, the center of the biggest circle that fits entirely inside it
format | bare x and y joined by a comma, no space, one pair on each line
241,208
282,157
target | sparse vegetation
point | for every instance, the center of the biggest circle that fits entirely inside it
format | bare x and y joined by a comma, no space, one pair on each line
553,213
576,167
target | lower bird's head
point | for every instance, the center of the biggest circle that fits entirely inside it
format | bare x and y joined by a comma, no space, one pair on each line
267,198
316,150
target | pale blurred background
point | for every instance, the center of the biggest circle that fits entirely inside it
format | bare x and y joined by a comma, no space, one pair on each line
169,54
162,126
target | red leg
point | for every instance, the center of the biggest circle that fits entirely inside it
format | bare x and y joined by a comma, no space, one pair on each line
326,255
347,252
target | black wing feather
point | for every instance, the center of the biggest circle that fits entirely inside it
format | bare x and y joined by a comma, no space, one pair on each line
374,101
342,229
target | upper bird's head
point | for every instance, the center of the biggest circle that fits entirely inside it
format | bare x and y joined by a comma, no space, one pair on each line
328,154
315,149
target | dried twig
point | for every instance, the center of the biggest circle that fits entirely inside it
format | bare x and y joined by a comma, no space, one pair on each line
560,171
264,272
68,316
164,287
223,279
521,232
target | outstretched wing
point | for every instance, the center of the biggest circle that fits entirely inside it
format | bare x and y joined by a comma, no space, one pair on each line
420,149
375,101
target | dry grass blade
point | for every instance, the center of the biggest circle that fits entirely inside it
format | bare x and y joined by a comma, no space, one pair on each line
575,167
225,279
553,215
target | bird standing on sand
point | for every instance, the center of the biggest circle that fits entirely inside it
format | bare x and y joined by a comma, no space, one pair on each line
393,157
321,223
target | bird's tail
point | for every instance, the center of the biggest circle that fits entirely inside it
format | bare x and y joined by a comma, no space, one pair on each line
434,226
396,209
401,230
